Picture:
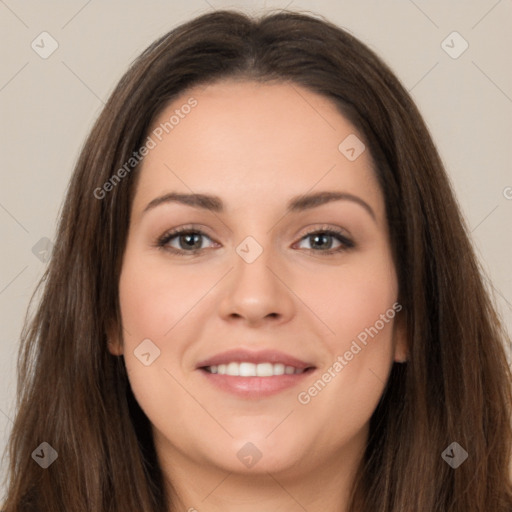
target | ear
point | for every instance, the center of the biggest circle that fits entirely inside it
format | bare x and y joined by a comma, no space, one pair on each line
400,341
114,341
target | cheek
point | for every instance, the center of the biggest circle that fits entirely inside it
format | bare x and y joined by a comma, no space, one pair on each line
353,298
154,304
358,304
154,299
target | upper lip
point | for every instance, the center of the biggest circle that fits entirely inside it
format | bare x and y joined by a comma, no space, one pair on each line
260,356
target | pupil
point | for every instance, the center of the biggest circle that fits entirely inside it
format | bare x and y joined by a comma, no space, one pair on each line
322,237
189,239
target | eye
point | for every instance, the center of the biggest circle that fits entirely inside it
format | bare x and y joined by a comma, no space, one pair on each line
183,240
322,241
189,241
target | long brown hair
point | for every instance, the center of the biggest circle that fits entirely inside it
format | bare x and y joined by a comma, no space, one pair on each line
455,387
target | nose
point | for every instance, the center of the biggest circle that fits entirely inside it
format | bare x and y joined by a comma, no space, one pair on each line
257,293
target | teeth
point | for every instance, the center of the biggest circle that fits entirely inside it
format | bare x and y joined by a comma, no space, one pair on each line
253,370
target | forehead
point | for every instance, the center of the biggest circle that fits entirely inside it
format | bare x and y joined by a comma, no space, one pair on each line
255,143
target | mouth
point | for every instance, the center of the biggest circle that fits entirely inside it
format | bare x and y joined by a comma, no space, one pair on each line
254,375
246,369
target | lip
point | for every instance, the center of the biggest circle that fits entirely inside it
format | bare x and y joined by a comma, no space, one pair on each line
261,356
255,387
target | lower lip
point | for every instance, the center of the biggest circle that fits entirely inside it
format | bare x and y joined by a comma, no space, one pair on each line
255,387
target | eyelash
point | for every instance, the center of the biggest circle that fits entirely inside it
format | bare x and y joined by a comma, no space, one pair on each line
161,243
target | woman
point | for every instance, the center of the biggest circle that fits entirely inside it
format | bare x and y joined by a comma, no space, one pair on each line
262,295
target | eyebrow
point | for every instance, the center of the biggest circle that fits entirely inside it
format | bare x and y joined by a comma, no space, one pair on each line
296,204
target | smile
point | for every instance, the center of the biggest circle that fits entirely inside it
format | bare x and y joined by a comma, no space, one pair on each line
246,369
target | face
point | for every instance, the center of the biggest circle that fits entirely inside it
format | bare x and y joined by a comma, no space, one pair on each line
258,293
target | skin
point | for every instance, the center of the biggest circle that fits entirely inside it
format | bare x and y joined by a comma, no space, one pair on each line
256,146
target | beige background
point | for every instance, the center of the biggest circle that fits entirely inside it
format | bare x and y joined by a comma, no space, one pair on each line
48,106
